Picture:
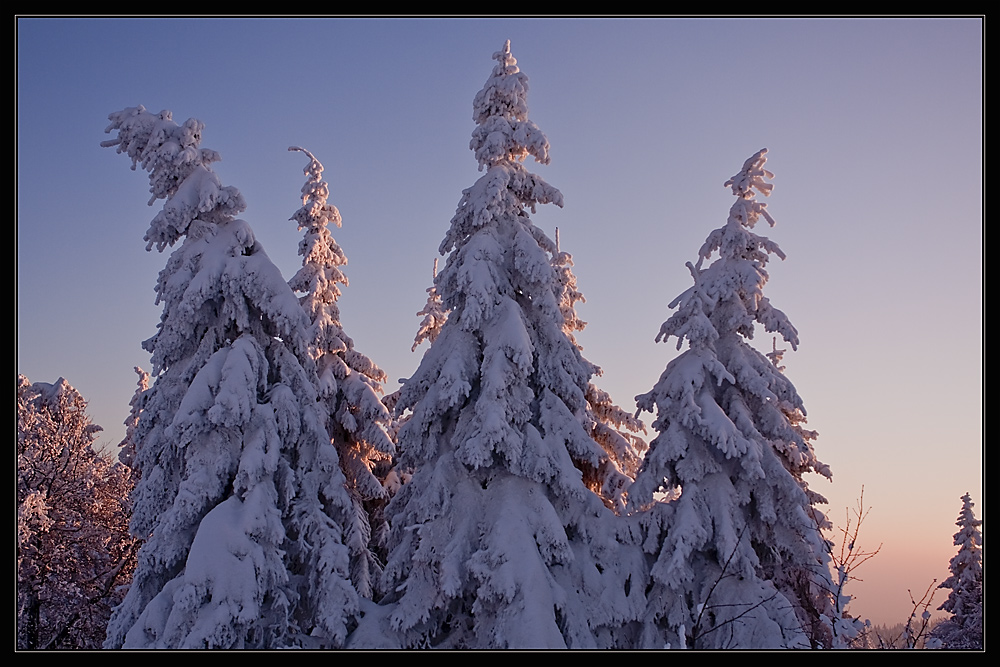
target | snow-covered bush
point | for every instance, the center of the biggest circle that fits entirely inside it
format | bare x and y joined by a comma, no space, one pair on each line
74,553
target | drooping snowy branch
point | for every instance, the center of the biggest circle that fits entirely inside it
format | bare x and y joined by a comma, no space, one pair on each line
179,171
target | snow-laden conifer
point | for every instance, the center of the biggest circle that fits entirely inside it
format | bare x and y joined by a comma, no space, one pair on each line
496,541
615,430
434,312
739,557
349,382
241,501
964,629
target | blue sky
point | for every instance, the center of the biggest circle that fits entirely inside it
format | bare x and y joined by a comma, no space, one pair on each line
875,134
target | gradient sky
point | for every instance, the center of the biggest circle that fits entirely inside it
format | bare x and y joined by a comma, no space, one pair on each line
875,135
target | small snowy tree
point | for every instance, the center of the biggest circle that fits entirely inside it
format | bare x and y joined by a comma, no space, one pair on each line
615,430
74,553
496,541
964,629
739,559
434,312
349,382
241,502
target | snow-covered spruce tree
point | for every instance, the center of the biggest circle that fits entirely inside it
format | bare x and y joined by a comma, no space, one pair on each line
496,542
349,382
615,430
964,630
739,559
241,501
74,553
434,312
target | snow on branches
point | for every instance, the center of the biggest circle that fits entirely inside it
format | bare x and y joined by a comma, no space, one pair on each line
241,501
964,629
743,538
532,515
349,382
496,542
74,553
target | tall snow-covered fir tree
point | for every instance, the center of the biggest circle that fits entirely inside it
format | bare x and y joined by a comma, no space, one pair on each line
241,503
615,430
349,382
738,558
496,541
964,629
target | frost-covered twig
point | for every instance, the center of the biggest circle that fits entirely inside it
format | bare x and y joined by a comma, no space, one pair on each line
696,630
845,561
914,633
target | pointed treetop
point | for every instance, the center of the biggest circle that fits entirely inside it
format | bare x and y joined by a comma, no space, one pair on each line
752,177
964,629
969,536
434,312
967,509
319,213
507,99
314,170
500,111
743,257
746,211
505,59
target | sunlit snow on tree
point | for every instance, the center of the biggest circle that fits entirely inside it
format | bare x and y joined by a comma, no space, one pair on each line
434,312
349,382
615,430
74,553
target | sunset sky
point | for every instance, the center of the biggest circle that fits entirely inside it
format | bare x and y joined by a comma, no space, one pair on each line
874,131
